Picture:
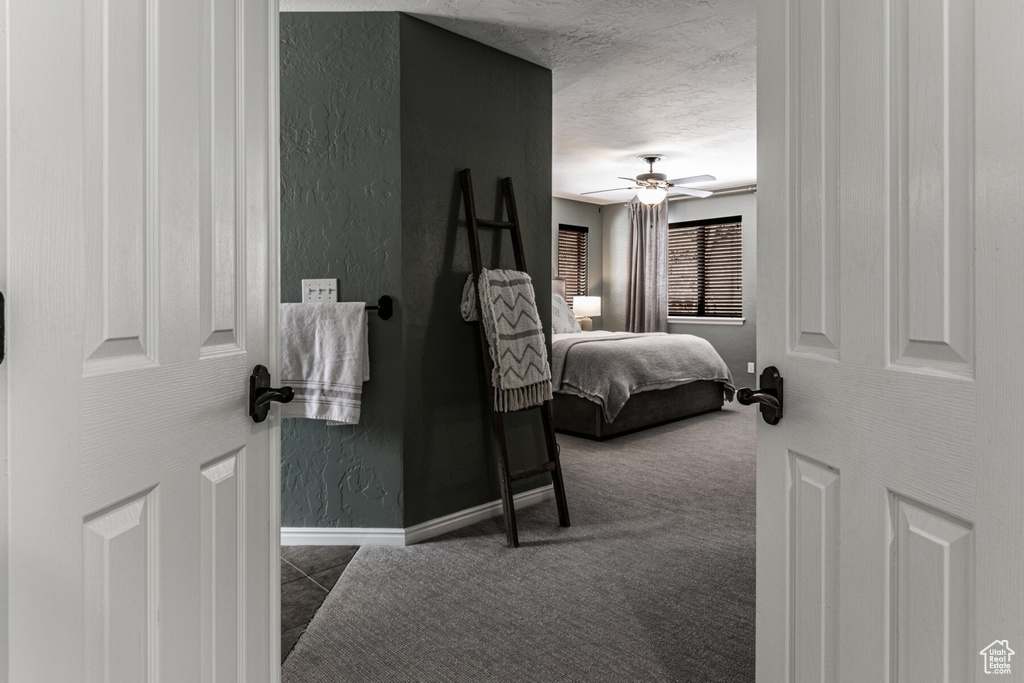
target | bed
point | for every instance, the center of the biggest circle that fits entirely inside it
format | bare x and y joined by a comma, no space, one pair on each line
612,383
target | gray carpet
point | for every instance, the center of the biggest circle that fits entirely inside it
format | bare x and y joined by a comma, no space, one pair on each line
653,582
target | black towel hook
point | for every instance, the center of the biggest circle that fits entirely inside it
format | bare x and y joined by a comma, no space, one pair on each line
384,307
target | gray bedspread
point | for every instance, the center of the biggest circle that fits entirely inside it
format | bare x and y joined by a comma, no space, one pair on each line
608,368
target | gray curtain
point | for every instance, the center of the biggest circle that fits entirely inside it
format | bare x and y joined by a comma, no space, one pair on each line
647,298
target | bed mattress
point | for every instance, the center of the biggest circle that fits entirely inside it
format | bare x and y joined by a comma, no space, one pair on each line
608,368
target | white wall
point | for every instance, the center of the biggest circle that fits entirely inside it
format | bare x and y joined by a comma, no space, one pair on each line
615,266
572,212
736,343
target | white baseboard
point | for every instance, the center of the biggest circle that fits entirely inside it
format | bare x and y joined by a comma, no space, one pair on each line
457,520
298,535
413,534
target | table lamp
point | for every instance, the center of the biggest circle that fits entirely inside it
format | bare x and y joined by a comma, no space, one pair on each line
583,307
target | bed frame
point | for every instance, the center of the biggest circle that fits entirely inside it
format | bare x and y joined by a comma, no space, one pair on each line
580,417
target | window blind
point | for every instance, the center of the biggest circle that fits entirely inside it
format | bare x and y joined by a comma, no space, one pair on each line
572,260
705,268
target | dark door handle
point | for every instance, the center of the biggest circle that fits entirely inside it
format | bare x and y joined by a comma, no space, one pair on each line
261,394
769,396
3,328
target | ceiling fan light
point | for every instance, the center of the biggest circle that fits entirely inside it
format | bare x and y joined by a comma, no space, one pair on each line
651,195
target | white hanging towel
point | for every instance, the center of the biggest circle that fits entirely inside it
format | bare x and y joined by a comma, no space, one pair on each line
325,358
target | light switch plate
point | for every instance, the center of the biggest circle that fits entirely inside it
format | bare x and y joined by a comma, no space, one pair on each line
320,291
750,368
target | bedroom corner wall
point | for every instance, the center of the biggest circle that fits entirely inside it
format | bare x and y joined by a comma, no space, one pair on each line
341,217
737,344
464,105
380,111
571,212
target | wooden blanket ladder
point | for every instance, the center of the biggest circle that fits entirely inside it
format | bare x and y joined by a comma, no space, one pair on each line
553,465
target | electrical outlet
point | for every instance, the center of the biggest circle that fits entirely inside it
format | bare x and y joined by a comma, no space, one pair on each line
750,368
320,291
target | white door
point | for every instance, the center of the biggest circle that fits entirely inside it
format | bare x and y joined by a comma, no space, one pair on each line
142,281
890,516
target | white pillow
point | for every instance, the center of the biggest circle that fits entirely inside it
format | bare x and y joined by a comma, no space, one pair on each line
562,319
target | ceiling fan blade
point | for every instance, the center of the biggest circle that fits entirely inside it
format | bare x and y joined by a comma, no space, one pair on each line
693,179
614,189
622,177
690,191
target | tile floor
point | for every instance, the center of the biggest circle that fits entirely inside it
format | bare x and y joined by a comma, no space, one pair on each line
308,573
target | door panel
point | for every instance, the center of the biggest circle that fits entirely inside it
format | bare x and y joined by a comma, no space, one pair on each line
119,116
890,197
814,528
933,557
221,567
932,64
222,247
814,238
120,584
144,533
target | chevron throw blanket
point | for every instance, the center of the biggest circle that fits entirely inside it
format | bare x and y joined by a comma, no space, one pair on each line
521,376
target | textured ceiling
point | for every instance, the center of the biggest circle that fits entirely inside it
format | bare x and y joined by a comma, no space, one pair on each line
674,77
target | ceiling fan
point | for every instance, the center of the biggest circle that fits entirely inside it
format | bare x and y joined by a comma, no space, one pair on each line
652,188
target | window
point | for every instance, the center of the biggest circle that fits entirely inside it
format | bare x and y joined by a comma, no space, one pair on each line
705,268
572,260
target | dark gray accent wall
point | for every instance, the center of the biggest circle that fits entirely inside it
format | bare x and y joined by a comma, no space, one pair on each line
737,344
463,105
380,112
341,217
571,212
